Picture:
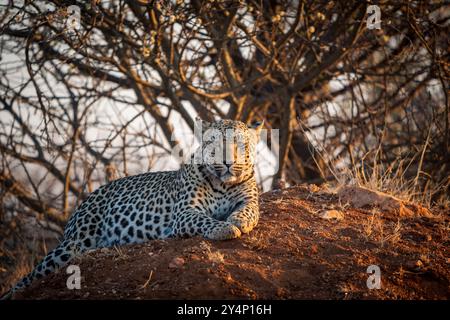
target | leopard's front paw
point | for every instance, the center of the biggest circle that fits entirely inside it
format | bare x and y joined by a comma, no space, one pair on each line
223,231
245,226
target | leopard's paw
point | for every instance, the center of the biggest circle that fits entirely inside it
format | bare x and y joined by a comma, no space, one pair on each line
224,231
245,226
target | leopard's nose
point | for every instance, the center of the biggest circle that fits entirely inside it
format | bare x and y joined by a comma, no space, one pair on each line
227,167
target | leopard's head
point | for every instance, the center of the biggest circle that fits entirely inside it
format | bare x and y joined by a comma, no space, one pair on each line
228,149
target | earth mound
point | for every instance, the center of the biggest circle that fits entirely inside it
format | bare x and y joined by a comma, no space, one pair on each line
310,243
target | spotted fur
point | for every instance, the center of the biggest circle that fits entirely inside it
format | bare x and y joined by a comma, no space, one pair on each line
216,200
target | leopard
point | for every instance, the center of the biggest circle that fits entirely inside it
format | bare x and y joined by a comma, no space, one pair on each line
214,195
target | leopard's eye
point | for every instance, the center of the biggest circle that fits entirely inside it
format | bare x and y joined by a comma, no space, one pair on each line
210,138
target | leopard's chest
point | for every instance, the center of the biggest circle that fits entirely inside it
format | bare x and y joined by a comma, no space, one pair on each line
221,207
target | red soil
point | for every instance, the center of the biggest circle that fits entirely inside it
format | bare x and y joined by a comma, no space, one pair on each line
293,253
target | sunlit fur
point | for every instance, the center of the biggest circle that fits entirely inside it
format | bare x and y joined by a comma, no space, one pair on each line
228,150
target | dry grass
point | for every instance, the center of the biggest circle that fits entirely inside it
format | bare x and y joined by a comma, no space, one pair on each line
403,179
24,241
119,254
393,236
20,251
22,264
214,256
380,231
391,179
255,241
145,285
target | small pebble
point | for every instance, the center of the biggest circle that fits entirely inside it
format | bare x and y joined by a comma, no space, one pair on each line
176,263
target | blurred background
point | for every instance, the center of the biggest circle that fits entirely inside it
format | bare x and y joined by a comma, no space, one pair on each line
91,91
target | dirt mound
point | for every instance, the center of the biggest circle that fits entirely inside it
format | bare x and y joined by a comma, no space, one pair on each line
308,244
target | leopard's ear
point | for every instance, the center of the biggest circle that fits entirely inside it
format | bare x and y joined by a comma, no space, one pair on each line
201,126
257,126
205,125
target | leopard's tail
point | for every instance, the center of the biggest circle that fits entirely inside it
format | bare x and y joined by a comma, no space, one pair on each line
57,258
